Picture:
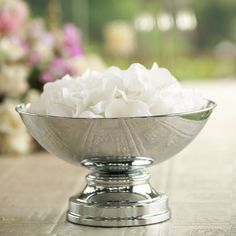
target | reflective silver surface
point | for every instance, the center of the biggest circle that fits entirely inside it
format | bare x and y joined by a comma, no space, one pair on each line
118,150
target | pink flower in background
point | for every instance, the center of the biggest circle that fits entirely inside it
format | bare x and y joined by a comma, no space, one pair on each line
72,41
34,58
41,43
32,54
49,55
36,31
58,68
42,49
35,28
12,15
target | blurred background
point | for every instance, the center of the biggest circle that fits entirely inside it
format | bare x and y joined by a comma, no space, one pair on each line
40,41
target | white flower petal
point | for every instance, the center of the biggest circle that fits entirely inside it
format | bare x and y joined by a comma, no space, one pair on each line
122,108
99,108
89,114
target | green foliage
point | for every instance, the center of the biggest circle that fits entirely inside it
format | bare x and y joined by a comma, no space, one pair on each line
203,68
38,7
216,21
101,12
185,68
33,79
186,54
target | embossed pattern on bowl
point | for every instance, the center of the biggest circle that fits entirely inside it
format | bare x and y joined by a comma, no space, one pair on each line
77,139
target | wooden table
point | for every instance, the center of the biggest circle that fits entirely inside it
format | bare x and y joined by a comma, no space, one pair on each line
200,182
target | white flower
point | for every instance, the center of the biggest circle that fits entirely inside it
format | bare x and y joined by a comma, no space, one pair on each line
9,119
32,95
43,51
14,138
136,91
13,79
10,50
16,144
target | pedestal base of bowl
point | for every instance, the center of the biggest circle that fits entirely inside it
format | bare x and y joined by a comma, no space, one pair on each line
153,212
118,197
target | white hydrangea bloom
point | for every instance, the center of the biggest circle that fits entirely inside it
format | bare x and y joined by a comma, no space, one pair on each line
136,91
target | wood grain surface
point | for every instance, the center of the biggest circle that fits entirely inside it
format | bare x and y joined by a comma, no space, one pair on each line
200,183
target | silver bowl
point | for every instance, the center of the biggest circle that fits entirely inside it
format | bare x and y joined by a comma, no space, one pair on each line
117,150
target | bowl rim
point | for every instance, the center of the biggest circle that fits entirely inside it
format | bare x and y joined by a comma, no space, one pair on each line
20,108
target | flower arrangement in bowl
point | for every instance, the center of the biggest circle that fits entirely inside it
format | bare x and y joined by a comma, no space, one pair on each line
117,123
32,54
